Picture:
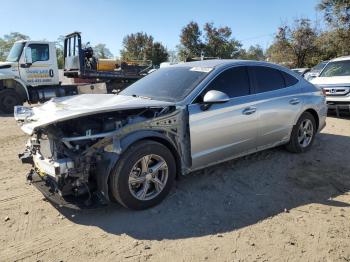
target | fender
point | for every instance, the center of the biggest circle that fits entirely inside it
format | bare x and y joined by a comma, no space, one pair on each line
11,81
110,159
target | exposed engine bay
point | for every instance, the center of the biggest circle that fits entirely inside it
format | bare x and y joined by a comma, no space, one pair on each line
74,157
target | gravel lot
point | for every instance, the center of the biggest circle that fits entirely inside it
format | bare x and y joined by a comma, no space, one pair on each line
270,206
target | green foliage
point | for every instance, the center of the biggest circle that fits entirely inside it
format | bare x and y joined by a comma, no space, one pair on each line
141,46
191,43
294,45
101,51
336,13
59,51
253,53
216,42
7,41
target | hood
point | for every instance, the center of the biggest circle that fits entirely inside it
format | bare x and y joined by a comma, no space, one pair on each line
8,70
6,65
335,80
64,108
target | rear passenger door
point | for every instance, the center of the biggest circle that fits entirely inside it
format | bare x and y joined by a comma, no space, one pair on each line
278,104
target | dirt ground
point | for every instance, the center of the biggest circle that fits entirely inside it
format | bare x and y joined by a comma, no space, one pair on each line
270,206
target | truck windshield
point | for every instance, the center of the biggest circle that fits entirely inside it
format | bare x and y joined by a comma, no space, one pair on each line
336,68
168,84
15,52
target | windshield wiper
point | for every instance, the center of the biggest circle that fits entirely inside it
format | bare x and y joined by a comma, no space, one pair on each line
144,97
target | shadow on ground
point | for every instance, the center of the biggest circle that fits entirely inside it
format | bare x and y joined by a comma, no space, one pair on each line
235,194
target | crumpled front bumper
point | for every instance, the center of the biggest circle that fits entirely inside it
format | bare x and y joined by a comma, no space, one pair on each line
43,177
48,187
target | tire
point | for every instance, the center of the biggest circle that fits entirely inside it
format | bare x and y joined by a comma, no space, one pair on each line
135,169
8,99
296,143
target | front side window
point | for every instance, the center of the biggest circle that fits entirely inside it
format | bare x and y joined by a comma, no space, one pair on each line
40,52
336,68
234,82
268,79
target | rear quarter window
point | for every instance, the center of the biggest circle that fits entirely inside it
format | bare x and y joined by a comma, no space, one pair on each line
289,79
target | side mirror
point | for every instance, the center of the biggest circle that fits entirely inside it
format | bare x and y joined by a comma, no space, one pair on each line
214,97
28,56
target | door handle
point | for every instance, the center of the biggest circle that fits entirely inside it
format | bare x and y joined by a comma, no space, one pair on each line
294,101
249,110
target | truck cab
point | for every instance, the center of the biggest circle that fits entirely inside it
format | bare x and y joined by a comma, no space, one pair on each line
29,67
30,72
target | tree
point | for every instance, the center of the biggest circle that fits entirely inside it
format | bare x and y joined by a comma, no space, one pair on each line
303,42
158,54
191,44
136,46
253,53
337,15
141,46
59,51
102,52
218,42
215,42
294,46
7,42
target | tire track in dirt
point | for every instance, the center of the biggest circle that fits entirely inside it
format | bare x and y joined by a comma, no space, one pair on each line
49,239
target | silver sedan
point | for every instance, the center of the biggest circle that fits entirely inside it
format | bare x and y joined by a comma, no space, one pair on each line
130,147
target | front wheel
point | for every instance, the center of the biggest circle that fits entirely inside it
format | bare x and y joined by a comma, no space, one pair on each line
143,176
9,98
303,134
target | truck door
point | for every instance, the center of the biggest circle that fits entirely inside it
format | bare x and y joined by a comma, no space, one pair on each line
43,70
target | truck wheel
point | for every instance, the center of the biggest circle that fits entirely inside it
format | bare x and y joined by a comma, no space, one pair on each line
303,134
143,176
8,99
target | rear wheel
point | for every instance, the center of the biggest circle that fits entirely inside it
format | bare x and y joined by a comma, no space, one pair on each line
303,134
9,98
143,176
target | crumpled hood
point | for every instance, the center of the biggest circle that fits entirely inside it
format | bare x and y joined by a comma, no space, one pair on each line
335,80
64,108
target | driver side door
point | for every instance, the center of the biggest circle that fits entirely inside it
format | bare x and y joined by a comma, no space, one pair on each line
224,130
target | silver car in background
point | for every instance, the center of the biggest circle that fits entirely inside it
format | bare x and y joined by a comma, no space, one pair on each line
130,147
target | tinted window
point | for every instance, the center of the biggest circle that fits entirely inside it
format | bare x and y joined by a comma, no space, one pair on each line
169,83
268,79
234,82
289,79
40,52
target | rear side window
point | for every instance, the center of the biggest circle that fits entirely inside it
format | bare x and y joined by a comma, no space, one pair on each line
268,79
234,82
289,79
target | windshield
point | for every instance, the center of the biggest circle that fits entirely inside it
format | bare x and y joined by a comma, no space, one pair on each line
169,84
15,52
319,67
337,68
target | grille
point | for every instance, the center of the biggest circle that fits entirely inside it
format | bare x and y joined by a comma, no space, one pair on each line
336,91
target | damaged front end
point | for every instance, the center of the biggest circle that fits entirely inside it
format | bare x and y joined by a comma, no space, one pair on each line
72,159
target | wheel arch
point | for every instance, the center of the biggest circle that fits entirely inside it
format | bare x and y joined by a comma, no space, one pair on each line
314,113
17,85
157,137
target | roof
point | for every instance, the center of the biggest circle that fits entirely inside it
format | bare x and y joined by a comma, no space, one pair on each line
220,62
342,58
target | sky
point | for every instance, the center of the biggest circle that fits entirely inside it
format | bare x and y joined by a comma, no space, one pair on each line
107,21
